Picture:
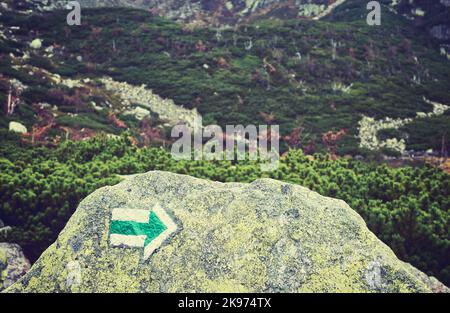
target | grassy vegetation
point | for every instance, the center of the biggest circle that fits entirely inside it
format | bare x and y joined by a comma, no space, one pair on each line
285,68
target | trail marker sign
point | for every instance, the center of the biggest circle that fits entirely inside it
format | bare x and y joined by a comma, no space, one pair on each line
139,228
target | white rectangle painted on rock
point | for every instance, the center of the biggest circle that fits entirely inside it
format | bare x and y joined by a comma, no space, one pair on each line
139,216
127,240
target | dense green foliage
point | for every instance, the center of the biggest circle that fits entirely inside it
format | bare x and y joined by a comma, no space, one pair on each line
408,208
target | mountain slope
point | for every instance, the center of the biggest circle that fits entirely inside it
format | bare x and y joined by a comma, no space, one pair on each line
219,12
321,76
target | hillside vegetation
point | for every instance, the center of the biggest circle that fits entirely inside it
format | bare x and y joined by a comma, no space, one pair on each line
320,76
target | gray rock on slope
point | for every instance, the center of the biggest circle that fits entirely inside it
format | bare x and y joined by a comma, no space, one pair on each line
230,11
13,264
267,236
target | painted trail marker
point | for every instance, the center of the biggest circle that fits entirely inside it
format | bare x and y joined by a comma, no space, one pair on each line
146,229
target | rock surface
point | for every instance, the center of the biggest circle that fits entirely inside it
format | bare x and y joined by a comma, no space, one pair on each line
36,44
17,128
267,236
212,12
13,264
166,109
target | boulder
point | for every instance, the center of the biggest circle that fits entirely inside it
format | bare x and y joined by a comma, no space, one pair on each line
13,264
17,128
164,232
138,112
441,32
36,44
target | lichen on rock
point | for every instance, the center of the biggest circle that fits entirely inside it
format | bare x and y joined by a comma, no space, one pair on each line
13,264
267,236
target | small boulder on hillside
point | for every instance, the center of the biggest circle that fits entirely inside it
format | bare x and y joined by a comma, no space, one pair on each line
36,44
17,128
163,232
13,264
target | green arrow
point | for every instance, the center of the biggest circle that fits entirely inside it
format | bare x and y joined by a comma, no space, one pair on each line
141,228
152,229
